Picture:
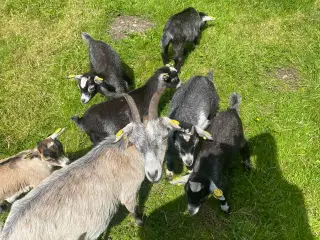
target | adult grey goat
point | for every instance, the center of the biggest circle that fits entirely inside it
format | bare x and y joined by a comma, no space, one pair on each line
81,199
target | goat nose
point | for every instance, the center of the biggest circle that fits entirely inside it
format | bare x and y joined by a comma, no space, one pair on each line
153,175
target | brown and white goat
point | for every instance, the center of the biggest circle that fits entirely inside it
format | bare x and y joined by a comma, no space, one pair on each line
81,199
24,171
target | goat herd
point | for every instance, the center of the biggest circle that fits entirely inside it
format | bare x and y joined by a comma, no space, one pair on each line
130,141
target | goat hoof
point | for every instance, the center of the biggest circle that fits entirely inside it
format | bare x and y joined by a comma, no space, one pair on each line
139,222
169,175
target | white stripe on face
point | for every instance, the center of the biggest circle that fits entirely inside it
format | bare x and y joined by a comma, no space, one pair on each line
83,82
85,98
187,159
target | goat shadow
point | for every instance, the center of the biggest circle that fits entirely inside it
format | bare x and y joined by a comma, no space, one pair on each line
264,205
189,47
78,154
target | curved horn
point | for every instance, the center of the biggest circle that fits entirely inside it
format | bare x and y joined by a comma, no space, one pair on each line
153,107
133,108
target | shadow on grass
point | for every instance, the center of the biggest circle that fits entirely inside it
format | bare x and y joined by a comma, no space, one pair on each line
123,212
263,206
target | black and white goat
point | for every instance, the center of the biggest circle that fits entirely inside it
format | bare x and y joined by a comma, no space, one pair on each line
106,75
192,105
79,201
216,156
27,169
181,29
105,118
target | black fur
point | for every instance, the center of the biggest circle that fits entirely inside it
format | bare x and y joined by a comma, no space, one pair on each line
106,64
217,155
106,118
196,97
181,29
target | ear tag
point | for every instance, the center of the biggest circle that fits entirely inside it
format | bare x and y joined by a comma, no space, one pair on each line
165,75
169,65
99,79
71,76
27,156
217,193
206,132
57,131
119,133
174,122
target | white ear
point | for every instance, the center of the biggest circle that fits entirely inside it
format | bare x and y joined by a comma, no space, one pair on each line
195,186
204,134
98,80
207,18
83,82
124,132
170,123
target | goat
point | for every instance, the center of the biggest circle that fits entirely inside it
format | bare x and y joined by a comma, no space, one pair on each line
181,29
27,169
106,75
105,118
215,156
84,196
192,105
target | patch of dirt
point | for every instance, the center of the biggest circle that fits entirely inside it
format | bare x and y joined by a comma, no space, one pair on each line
287,75
124,25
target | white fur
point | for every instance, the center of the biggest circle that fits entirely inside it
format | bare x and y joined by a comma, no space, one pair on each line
179,84
83,82
224,207
193,210
187,158
17,194
207,18
186,137
84,98
203,121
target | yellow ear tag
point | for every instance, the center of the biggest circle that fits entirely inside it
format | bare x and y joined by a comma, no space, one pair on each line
217,193
119,133
27,156
174,122
57,131
207,134
99,79
71,76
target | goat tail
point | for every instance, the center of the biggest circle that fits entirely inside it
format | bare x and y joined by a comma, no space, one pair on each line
234,101
86,37
77,121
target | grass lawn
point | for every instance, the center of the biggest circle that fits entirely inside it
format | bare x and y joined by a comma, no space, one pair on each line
268,51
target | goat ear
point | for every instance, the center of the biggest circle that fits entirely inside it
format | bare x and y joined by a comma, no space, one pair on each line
170,123
204,134
98,80
74,77
207,18
124,132
210,75
165,77
195,186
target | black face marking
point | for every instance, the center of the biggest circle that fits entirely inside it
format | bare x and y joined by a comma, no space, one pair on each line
50,149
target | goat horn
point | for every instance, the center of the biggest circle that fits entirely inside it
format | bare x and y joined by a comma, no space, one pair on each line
133,108
153,107
57,133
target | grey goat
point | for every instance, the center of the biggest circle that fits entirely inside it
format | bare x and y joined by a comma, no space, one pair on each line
106,118
27,169
181,29
192,105
106,75
208,176
81,199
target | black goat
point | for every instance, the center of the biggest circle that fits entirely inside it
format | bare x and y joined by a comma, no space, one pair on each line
192,105
106,75
106,118
181,29
215,156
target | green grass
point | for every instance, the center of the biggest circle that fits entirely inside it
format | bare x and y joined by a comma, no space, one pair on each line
40,44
